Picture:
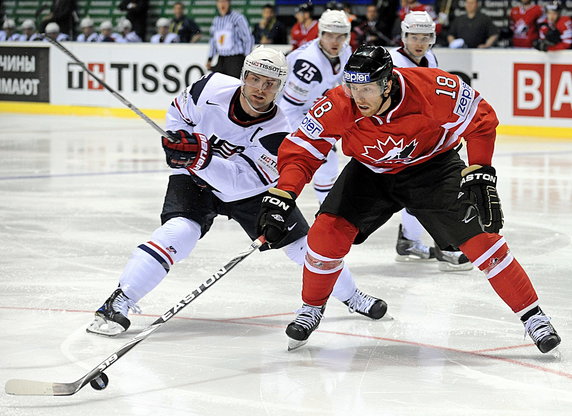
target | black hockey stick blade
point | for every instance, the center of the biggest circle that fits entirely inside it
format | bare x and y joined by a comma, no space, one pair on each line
42,388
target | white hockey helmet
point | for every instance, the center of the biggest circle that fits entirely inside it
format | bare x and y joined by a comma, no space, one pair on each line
267,62
418,22
52,27
163,22
86,22
124,24
106,25
334,21
28,24
9,24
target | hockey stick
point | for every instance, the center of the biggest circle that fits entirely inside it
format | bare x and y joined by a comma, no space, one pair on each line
108,88
96,377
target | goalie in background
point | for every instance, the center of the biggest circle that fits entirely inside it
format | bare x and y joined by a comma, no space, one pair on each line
556,32
224,159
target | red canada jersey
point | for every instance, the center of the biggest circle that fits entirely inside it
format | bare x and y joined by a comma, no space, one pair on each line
434,110
524,23
564,27
300,35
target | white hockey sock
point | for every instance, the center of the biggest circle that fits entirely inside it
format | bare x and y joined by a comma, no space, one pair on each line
345,285
151,261
141,275
412,228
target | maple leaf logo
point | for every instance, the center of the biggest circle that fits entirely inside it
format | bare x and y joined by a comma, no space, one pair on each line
390,150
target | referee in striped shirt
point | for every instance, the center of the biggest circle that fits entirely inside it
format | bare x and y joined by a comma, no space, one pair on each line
230,39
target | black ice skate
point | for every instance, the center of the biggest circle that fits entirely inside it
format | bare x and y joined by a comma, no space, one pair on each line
111,317
409,250
542,332
452,260
366,305
305,323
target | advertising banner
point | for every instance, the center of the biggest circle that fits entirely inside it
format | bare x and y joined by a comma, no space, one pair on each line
526,87
149,76
24,74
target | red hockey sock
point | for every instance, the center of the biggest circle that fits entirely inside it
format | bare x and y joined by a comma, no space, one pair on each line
329,240
490,253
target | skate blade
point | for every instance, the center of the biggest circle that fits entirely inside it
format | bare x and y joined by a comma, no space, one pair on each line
100,326
411,259
295,344
448,267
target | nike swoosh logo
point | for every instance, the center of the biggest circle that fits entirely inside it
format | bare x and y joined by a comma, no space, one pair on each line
468,220
211,103
292,226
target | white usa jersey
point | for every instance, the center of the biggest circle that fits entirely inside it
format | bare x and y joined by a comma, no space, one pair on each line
244,161
402,60
310,75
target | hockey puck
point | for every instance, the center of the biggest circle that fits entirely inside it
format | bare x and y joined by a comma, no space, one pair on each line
100,382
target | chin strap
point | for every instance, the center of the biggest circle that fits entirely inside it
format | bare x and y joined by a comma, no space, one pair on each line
254,109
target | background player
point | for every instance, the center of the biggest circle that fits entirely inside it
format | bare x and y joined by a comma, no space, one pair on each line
418,36
315,68
401,128
228,133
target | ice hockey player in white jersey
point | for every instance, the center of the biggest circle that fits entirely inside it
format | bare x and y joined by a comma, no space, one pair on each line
224,160
418,36
315,68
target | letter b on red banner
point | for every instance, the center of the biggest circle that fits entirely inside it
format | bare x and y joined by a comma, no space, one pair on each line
528,90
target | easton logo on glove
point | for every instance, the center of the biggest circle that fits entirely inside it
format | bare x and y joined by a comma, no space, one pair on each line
276,207
479,198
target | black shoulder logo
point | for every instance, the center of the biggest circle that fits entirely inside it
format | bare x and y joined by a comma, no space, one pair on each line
306,71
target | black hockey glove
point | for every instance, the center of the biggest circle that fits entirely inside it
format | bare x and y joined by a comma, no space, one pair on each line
189,150
479,198
276,207
552,36
541,45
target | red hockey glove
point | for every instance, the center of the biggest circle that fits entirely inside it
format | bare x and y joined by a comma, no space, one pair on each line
189,150
479,198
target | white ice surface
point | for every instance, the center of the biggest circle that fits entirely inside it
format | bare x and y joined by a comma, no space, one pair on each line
77,195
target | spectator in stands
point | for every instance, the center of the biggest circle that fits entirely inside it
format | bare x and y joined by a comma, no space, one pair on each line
184,26
8,32
556,32
370,30
524,20
53,31
472,30
62,12
29,33
163,35
136,12
106,32
88,33
269,30
306,28
126,33
230,39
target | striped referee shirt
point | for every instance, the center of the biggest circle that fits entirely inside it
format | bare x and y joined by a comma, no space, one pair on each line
230,35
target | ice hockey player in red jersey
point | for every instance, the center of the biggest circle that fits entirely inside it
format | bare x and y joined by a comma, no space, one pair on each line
556,32
400,127
524,20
